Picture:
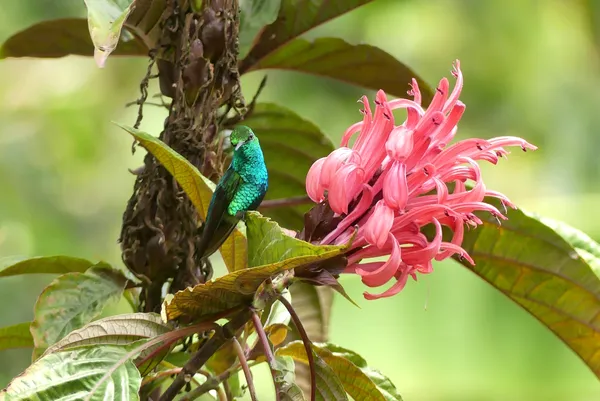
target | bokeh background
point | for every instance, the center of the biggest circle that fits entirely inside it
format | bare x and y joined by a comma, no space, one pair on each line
531,69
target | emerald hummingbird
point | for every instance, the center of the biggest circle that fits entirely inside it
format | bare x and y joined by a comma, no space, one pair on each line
242,188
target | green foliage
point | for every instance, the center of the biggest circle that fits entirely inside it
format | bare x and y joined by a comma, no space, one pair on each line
72,300
549,268
542,271
16,336
77,374
359,381
105,20
270,253
254,15
14,265
295,18
59,38
290,144
268,245
329,384
363,65
116,330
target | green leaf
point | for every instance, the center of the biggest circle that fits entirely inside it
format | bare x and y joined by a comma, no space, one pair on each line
272,252
538,269
16,265
114,330
295,18
329,383
72,300
268,245
59,38
75,375
291,145
384,385
288,389
278,314
105,21
362,65
254,15
198,188
358,380
16,336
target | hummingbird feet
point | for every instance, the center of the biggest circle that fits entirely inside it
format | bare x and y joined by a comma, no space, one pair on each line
241,215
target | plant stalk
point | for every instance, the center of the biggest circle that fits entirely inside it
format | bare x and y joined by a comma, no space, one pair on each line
307,346
211,346
262,336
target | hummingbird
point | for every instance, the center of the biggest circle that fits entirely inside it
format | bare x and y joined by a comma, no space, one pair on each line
242,188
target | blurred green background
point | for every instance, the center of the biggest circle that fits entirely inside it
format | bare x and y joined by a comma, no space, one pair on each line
531,70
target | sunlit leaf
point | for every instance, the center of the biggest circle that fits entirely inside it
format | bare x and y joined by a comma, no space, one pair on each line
538,269
59,38
271,251
105,21
72,300
223,359
254,15
384,385
362,65
16,336
16,265
277,333
197,187
295,18
330,384
278,314
358,380
291,145
74,374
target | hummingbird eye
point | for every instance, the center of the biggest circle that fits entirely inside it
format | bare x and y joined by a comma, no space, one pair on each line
250,137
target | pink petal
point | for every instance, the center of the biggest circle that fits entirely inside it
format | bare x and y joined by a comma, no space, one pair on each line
393,290
395,186
399,144
385,272
345,187
364,203
314,189
377,228
333,163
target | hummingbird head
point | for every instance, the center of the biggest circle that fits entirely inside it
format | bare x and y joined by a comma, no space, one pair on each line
242,135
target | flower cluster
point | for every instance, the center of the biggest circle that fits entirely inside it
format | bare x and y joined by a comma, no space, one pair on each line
394,181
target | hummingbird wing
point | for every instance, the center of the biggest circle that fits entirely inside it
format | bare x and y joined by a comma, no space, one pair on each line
219,224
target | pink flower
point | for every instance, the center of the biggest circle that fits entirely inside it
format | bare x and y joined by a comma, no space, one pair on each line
394,181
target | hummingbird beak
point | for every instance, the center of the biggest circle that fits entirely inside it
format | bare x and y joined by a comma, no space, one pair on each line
239,145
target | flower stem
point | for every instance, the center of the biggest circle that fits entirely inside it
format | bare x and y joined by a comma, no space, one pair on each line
293,201
307,346
267,349
220,337
245,368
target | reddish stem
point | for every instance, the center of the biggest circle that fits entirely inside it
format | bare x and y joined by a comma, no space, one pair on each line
267,349
307,347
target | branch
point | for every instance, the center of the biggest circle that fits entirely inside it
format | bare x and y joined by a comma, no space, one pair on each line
307,346
268,352
293,201
242,357
211,383
211,346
